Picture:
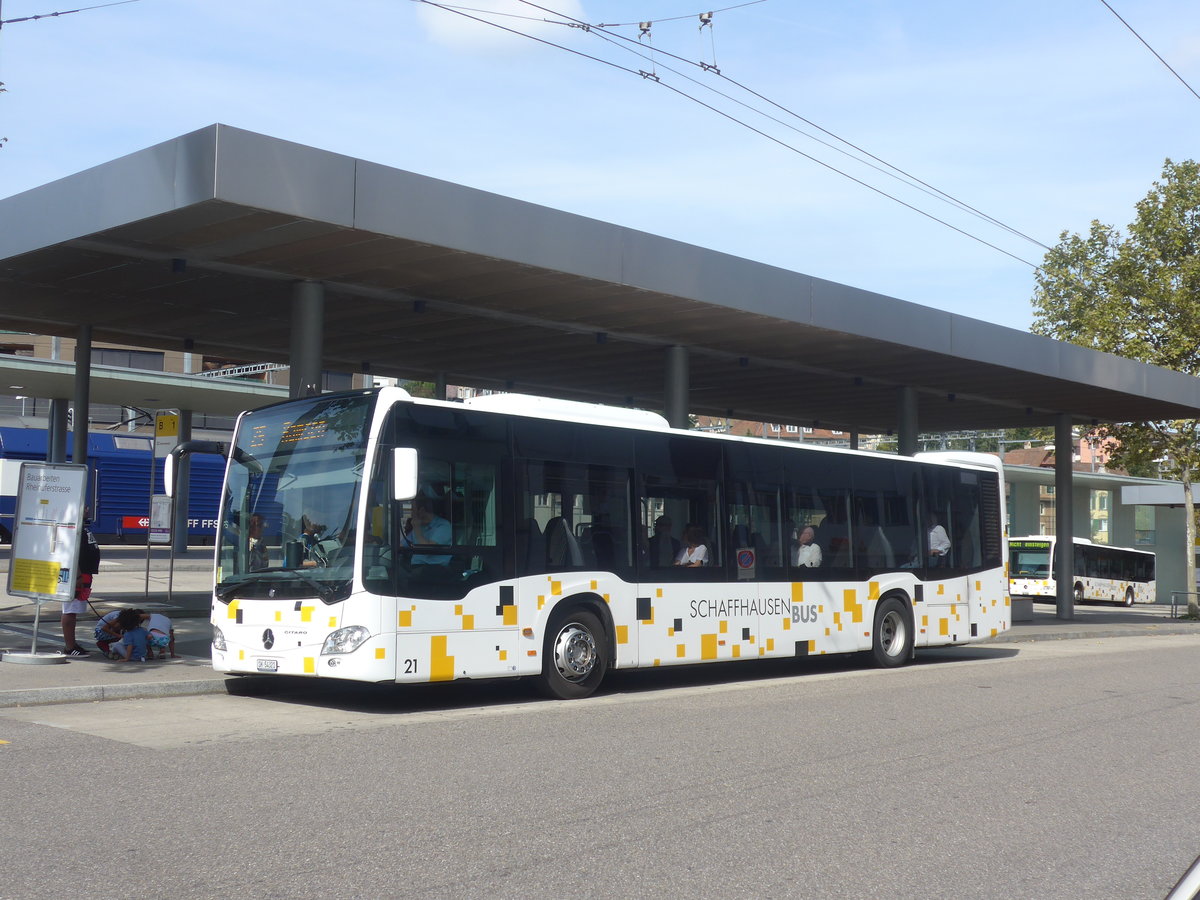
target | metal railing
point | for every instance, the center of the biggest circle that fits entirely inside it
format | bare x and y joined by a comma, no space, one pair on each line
238,371
1175,595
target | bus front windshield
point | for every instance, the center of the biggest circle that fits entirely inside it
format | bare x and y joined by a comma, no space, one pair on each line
288,514
1029,560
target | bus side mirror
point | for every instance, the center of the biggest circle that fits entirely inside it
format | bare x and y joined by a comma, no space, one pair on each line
404,473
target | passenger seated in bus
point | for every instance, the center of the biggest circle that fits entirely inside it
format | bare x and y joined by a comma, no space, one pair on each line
695,551
807,554
427,528
664,547
939,543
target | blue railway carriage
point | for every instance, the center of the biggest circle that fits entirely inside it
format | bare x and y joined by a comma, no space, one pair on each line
118,484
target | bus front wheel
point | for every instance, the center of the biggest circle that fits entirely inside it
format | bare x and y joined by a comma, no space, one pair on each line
1129,596
892,641
574,657
1078,594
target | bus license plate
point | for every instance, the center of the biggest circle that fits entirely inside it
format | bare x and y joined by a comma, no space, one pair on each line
268,665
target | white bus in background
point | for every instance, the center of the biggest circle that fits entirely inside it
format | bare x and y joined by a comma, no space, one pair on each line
1112,574
547,561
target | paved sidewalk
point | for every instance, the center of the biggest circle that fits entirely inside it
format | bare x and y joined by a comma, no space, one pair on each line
187,599
181,589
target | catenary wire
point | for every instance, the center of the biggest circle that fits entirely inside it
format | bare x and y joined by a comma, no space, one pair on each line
890,171
901,175
1151,49
746,125
495,12
680,18
65,12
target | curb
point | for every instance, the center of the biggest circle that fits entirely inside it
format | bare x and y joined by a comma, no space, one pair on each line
1148,631
87,693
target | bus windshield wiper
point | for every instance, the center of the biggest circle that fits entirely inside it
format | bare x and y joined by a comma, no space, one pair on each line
327,592
226,589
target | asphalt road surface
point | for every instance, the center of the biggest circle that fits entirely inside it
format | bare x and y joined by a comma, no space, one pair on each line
1043,770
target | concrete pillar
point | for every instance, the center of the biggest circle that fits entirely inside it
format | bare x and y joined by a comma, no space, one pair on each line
854,439
676,387
906,419
1064,517
179,526
56,431
1024,508
439,386
83,377
308,322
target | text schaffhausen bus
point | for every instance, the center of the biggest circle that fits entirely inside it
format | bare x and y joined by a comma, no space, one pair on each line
737,607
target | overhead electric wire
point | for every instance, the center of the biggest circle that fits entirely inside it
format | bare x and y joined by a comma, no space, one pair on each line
1151,49
896,172
859,181
680,18
908,178
734,119
65,12
532,37
495,12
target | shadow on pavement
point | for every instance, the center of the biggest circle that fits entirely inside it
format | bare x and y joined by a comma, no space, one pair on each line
391,699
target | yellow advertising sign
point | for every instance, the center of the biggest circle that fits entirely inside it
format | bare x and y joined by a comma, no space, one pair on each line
35,576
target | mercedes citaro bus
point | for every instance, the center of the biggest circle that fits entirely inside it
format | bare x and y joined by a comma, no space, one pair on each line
378,537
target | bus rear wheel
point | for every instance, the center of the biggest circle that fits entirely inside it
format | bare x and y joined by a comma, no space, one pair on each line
574,656
1078,594
1129,596
892,640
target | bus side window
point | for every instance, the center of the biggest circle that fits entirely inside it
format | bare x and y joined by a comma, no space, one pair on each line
681,479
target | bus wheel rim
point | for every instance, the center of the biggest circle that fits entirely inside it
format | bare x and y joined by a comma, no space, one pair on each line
891,633
575,652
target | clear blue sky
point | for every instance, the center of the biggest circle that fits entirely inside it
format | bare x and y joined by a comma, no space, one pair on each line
1043,116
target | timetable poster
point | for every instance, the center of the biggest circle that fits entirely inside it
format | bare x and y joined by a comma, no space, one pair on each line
45,543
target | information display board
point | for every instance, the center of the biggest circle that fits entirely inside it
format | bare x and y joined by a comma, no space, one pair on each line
160,519
45,543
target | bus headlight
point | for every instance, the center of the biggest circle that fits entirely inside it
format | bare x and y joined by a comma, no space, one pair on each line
218,638
345,640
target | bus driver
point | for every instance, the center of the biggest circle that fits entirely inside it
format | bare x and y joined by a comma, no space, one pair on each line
427,528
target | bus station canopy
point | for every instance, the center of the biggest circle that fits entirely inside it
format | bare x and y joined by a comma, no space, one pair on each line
197,243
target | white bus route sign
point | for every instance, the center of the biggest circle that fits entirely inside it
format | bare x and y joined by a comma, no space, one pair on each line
50,501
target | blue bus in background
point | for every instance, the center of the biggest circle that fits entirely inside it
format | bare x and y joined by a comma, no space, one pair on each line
118,484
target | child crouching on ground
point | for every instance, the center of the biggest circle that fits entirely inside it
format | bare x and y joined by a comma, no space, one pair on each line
107,632
162,634
134,643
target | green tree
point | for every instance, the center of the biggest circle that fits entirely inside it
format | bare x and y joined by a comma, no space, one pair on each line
426,389
1138,295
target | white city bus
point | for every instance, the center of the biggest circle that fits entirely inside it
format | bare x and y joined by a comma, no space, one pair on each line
376,537
1114,574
